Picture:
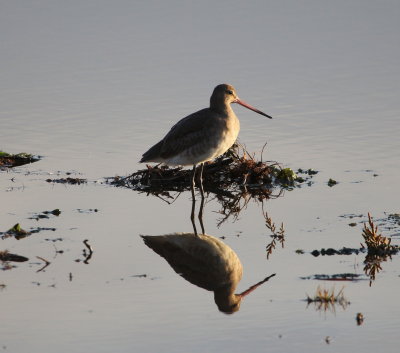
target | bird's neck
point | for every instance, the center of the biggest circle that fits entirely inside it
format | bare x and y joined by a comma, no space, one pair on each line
224,109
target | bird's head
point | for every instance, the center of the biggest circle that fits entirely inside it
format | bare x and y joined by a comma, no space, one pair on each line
224,94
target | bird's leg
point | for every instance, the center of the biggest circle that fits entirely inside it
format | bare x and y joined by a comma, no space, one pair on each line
193,200
202,199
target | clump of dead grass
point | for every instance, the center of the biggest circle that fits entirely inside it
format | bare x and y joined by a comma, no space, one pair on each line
375,242
235,169
379,249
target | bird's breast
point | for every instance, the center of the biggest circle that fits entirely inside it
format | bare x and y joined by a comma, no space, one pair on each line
226,135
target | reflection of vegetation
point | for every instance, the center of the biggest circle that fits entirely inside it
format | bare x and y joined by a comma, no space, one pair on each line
232,203
277,235
373,265
233,180
326,299
377,247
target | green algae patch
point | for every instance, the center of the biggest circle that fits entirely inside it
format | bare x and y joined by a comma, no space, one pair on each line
286,176
17,231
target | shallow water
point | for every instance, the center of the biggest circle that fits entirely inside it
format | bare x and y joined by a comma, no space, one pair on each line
91,85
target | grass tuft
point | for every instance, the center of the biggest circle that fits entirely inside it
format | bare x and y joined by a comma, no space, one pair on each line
374,240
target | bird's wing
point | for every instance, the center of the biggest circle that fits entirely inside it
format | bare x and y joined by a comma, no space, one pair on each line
185,133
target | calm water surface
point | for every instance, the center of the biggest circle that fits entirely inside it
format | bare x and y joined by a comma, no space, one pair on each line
91,85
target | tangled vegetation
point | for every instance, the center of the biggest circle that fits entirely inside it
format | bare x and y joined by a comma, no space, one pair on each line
235,169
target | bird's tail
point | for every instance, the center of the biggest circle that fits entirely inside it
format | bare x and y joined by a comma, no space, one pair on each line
153,154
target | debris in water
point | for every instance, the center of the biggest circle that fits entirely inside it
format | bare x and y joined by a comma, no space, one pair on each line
46,214
69,180
15,231
88,256
89,210
332,182
335,277
331,251
46,263
8,160
359,319
7,256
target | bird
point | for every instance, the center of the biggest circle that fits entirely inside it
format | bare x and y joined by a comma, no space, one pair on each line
201,136
206,262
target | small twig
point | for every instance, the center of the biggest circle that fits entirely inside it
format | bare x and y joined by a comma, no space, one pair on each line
262,151
46,263
57,251
88,257
168,202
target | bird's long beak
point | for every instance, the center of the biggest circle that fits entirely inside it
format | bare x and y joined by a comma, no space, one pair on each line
252,288
248,106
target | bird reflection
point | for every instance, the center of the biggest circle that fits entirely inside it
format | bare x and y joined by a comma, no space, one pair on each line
200,215
206,262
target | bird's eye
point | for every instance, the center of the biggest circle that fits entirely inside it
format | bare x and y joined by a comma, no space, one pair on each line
229,91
